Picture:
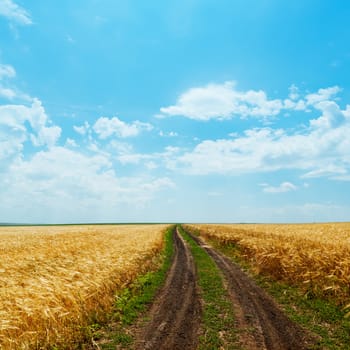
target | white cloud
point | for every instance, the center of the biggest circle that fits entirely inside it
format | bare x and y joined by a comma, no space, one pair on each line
106,127
328,171
133,158
7,71
47,136
298,105
119,147
69,185
158,184
151,165
168,134
223,101
14,12
22,122
7,93
331,117
19,123
11,146
165,157
283,187
322,95
324,145
71,143
293,92
83,129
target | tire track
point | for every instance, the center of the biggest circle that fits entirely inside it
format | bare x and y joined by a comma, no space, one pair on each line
175,315
261,324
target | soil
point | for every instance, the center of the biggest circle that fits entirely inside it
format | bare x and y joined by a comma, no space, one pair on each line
175,316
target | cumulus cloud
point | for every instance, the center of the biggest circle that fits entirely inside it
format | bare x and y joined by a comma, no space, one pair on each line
297,105
106,127
20,123
222,101
283,187
47,136
70,184
89,180
23,121
332,116
225,101
322,95
83,129
322,148
14,12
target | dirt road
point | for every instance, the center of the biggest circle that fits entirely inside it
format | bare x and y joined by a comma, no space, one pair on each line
175,316
261,323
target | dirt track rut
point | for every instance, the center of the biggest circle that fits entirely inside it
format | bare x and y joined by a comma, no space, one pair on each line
175,315
261,324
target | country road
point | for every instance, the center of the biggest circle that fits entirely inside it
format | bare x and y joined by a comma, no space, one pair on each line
175,317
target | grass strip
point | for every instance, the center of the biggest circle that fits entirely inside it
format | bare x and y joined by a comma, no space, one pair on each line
218,316
132,301
321,317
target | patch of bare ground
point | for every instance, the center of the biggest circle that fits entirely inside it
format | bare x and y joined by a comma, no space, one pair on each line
260,323
174,318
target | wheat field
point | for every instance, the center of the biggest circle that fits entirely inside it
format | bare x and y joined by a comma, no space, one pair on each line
55,280
314,256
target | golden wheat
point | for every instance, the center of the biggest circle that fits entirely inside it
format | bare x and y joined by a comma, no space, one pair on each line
313,255
55,280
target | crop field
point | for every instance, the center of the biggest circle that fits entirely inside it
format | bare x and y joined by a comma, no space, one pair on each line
55,280
315,256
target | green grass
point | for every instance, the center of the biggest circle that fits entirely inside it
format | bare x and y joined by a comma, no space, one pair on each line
321,317
218,317
131,302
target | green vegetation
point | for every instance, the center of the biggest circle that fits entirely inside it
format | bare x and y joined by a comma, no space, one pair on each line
322,317
218,317
132,301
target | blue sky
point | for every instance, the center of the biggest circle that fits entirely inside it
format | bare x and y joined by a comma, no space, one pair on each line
181,111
